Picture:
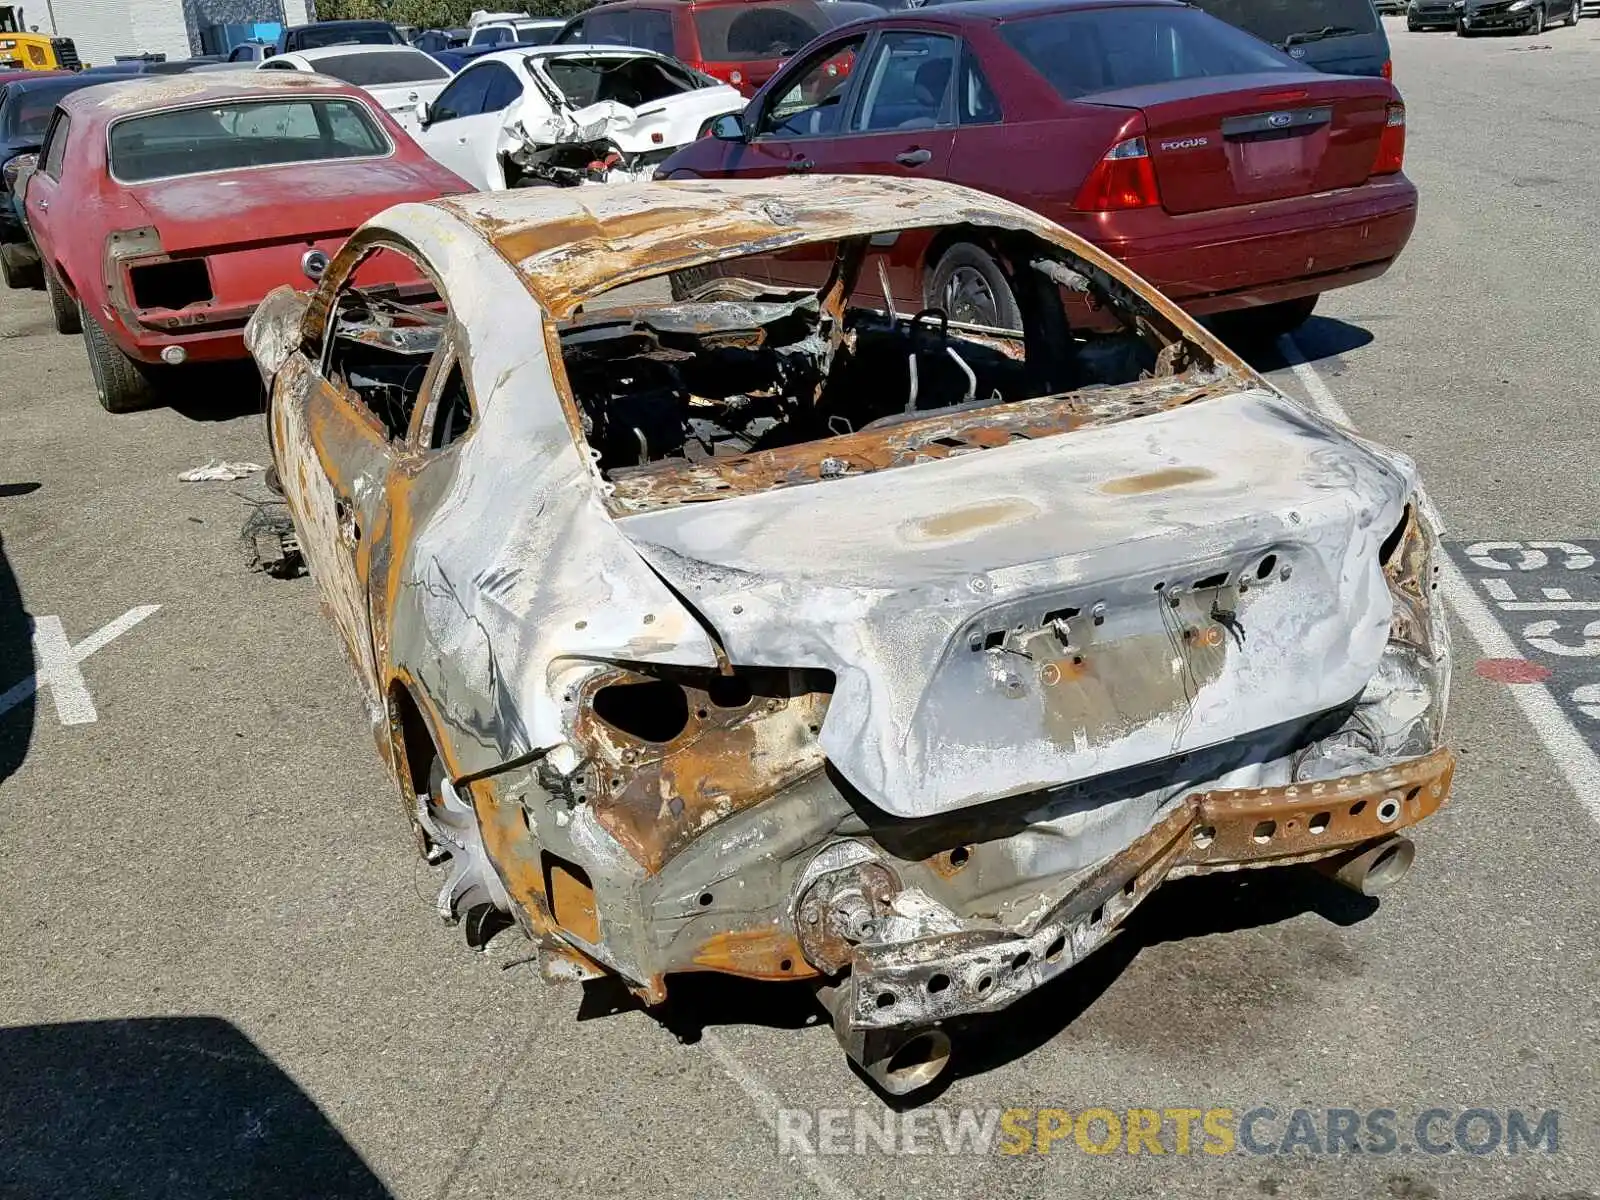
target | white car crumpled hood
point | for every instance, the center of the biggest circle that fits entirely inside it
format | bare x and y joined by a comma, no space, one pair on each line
929,589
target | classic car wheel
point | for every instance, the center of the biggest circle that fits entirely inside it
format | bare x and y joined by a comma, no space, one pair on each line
969,286
18,277
472,890
62,306
122,384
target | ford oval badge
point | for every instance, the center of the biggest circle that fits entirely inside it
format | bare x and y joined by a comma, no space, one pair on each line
1280,120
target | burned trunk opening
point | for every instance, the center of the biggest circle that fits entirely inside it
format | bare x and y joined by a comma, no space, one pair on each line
745,367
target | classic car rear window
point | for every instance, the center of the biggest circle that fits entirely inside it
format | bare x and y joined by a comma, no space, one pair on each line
382,67
757,31
1104,49
249,133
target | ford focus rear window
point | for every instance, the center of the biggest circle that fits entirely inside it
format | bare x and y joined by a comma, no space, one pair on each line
226,137
375,70
1274,21
1106,49
756,31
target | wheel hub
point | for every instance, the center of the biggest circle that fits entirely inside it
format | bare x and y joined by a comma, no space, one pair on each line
968,297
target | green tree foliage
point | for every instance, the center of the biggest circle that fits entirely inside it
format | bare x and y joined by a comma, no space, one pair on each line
439,14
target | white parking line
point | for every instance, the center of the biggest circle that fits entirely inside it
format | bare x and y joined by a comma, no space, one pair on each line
1572,754
58,662
766,1103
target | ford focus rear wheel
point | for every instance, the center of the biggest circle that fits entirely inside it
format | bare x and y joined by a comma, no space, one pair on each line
122,384
968,285
62,306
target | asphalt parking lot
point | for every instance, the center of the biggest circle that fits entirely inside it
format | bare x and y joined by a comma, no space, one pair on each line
222,975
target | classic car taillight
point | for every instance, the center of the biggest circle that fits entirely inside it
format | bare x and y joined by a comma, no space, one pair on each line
1124,178
1392,144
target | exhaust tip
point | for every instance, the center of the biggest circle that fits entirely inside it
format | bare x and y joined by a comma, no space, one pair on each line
1375,869
915,1063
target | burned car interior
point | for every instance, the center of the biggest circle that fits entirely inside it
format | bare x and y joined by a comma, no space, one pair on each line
379,348
744,366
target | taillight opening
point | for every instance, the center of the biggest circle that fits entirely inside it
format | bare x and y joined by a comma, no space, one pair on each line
1125,178
172,285
1392,143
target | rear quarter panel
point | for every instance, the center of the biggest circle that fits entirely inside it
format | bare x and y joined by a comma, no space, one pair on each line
96,204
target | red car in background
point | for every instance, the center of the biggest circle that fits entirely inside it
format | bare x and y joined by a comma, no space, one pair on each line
1217,167
740,42
164,212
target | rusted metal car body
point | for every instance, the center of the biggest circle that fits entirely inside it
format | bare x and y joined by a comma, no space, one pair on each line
769,634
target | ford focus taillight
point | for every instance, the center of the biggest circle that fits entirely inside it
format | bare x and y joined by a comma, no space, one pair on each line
1124,178
1392,144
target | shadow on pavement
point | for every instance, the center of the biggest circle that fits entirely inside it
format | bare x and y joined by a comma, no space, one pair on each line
17,701
1185,908
215,391
171,1107
1317,339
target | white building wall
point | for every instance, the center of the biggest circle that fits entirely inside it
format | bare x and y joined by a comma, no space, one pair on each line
158,26
100,29
103,29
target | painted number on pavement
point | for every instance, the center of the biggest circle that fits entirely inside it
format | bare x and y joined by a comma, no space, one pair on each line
1547,596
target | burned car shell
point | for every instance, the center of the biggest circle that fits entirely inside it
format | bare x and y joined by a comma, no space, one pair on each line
1077,645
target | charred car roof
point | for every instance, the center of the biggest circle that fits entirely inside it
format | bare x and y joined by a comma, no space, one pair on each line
570,244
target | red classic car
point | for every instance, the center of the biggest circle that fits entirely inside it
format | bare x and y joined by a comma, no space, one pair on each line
164,210
1224,172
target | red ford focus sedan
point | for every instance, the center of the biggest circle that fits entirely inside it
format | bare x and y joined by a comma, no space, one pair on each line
164,211
1220,169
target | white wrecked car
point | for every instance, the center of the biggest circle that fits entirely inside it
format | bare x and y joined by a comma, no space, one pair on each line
776,633
568,115
397,77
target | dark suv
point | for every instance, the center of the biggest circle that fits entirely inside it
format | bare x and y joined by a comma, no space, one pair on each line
338,33
1342,37
741,42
